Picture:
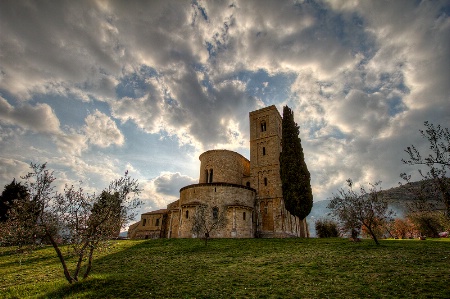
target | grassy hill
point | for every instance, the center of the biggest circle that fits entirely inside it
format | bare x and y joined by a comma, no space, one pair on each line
247,268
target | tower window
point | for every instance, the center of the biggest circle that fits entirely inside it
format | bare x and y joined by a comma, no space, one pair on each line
215,212
263,126
206,176
187,214
243,216
210,176
248,184
265,181
264,151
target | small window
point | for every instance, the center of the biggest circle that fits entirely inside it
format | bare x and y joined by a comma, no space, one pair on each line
157,222
263,126
144,222
210,176
264,151
187,214
215,211
266,210
265,181
206,176
243,216
248,184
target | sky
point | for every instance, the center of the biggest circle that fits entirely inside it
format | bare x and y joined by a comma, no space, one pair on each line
97,88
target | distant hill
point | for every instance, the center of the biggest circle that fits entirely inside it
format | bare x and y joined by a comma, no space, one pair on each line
400,197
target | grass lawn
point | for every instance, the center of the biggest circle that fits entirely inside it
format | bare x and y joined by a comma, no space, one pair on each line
249,268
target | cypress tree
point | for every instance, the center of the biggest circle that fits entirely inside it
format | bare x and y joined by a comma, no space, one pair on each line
295,177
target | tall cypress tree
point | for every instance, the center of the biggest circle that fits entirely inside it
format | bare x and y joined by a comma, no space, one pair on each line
295,177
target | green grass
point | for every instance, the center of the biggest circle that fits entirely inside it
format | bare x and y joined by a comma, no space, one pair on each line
250,268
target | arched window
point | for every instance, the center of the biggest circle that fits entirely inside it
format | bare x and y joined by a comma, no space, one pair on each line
206,176
248,184
265,181
264,151
215,212
144,222
187,214
157,222
210,176
243,216
263,126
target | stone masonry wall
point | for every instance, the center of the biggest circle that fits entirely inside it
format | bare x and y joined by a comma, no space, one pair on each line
151,226
227,167
227,197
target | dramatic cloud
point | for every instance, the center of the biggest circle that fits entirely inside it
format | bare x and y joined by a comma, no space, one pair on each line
98,87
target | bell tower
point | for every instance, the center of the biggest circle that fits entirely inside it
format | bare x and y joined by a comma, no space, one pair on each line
265,148
272,219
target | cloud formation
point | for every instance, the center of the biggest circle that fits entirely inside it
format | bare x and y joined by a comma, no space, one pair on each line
39,118
153,84
102,131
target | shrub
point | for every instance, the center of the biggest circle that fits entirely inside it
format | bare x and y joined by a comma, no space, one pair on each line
427,223
326,228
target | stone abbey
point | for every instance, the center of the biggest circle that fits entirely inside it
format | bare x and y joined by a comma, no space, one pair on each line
247,193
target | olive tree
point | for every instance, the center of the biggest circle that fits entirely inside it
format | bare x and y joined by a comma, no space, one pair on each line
436,160
83,221
360,209
206,220
424,206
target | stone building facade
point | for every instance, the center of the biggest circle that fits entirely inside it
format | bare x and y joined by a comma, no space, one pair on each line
247,193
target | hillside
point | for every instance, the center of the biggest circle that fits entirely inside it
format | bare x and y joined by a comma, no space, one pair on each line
239,268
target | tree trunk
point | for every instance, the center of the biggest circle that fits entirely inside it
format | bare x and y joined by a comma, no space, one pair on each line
89,265
80,260
374,237
206,238
61,258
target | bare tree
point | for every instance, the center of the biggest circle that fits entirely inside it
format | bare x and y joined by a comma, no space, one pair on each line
365,208
73,217
437,160
206,220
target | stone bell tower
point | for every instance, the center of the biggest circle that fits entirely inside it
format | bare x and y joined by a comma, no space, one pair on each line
265,147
